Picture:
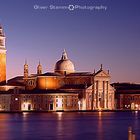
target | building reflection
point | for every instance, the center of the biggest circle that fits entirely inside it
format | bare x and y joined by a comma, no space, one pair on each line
100,127
59,115
25,115
60,128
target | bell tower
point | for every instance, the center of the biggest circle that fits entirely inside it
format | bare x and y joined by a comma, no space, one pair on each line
2,58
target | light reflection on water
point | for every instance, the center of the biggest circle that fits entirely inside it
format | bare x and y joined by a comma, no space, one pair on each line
59,115
100,125
68,125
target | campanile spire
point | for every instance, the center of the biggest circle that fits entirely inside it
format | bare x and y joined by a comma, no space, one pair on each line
2,57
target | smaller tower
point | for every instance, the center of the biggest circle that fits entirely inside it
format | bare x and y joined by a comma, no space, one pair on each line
26,70
39,68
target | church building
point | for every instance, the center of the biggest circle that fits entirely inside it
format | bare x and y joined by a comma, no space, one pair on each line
62,89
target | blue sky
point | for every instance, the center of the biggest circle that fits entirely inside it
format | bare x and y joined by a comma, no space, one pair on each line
110,37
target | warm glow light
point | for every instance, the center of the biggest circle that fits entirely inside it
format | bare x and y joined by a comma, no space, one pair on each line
132,106
16,99
0,107
48,83
59,102
84,104
136,105
79,104
26,106
100,109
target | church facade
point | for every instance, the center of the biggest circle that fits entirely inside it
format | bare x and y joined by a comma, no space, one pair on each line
62,89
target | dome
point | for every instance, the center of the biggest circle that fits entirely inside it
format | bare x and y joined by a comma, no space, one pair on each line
64,65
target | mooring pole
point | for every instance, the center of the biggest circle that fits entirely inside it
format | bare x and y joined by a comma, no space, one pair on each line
130,133
133,137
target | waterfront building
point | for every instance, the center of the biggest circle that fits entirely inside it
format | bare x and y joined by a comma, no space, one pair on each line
127,96
35,101
5,100
62,89
6,92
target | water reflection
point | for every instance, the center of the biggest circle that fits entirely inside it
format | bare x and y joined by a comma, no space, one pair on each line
59,127
100,125
69,126
3,125
59,115
136,113
100,114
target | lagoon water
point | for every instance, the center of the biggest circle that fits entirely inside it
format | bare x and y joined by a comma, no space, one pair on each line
69,125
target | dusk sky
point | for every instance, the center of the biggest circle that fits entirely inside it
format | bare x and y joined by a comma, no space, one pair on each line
91,37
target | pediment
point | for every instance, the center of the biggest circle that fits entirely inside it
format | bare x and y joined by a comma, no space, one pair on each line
102,73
